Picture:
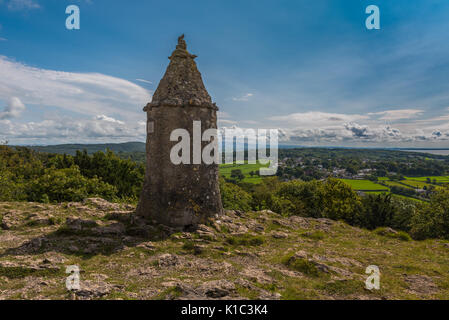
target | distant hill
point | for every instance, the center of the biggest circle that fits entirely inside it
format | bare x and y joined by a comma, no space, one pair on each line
136,150
92,148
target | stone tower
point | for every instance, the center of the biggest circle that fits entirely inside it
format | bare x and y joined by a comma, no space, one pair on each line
179,195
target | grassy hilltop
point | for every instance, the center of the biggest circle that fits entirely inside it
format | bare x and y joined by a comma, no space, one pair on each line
241,255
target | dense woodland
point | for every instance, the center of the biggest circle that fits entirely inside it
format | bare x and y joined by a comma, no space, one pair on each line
27,175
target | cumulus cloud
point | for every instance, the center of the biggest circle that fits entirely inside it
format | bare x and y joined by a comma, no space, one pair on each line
85,93
324,128
66,129
102,117
376,134
13,109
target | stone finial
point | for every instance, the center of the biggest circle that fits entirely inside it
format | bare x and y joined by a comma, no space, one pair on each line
181,42
181,50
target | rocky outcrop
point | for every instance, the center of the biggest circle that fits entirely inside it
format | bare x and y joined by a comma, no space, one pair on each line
240,255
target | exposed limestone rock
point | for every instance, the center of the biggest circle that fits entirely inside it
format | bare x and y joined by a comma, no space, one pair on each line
111,229
101,204
279,235
147,245
387,231
302,255
216,289
10,220
420,284
256,275
94,289
168,260
77,224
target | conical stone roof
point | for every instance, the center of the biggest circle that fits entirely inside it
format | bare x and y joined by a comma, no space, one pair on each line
182,84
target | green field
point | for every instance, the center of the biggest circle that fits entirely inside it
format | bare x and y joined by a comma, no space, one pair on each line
394,184
404,197
226,169
439,179
365,185
410,183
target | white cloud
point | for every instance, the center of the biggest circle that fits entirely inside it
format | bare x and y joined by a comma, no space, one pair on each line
17,5
63,130
102,117
223,114
316,119
375,134
397,114
245,97
226,121
85,93
322,128
13,109
3,39
145,81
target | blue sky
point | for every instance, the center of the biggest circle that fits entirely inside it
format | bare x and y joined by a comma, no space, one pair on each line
309,68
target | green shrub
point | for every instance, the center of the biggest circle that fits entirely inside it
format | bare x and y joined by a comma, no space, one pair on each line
60,185
125,175
378,211
305,198
340,201
432,220
188,246
10,190
388,232
233,197
404,236
32,176
331,199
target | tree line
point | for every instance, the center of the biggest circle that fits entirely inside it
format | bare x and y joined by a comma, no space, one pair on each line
336,200
26,175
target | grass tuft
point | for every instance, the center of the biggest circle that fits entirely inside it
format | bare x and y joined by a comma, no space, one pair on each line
245,240
302,265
